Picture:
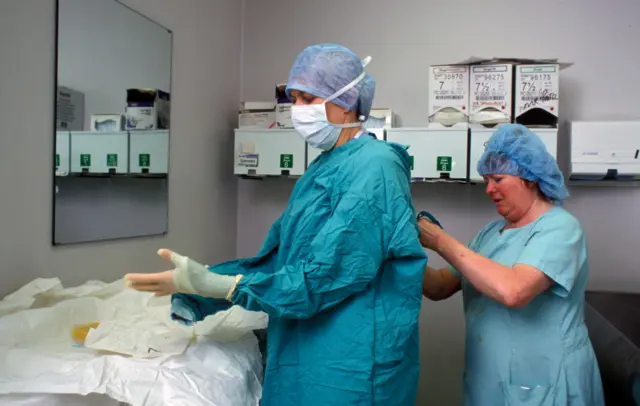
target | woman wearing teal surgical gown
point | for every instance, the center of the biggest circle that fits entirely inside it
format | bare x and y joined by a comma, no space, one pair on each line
523,280
340,272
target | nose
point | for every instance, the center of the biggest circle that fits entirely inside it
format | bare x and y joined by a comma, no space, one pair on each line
491,187
298,102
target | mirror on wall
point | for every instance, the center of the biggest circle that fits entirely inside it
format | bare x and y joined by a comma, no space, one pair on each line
112,123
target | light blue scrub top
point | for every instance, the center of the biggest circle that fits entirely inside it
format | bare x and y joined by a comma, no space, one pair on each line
539,354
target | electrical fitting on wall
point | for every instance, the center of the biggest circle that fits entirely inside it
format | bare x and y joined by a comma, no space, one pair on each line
605,151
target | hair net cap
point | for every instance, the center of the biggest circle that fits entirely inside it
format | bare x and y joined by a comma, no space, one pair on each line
515,150
322,70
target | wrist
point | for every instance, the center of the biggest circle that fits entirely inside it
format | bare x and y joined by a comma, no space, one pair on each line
444,244
234,285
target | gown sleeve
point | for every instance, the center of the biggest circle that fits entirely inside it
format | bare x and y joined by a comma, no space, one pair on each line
187,308
372,222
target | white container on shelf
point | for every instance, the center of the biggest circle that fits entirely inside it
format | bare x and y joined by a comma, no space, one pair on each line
63,151
149,152
99,152
273,152
437,152
605,150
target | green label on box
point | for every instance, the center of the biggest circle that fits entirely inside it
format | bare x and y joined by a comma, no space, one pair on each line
57,160
144,160
411,160
112,160
286,161
85,160
444,164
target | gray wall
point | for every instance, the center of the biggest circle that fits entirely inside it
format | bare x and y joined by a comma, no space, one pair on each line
202,192
105,40
404,37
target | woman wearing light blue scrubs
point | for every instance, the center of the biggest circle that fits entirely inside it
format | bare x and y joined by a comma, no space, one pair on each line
523,279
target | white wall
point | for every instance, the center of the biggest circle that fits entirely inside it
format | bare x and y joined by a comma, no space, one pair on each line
104,48
202,204
404,37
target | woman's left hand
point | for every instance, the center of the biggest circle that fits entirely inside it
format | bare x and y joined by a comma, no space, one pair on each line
430,234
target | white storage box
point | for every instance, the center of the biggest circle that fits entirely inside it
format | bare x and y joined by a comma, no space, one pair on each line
491,96
537,87
69,109
148,109
108,122
449,94
63,150
437,152
149,152
605,149
99,153
269,153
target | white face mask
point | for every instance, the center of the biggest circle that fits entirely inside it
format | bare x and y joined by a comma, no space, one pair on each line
311,123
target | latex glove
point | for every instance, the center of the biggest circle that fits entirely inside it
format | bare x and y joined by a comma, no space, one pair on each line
188,277
430,231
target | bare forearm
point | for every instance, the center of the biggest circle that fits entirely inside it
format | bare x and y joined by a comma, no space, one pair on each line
439,284
491,278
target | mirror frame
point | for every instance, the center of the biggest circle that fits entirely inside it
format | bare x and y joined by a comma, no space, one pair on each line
56,53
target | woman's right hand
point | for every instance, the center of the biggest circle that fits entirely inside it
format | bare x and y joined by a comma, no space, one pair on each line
430,234
430,230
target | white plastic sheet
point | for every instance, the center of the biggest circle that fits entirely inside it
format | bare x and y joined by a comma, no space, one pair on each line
137,354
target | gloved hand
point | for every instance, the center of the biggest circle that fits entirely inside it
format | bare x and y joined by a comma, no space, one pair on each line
188,277
429,216
430,230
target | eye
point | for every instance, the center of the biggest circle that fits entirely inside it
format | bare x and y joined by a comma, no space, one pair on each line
308,98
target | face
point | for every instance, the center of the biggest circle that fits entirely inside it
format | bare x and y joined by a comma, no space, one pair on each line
335,113
512,195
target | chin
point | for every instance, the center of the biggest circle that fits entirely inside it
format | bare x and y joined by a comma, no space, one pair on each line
503,212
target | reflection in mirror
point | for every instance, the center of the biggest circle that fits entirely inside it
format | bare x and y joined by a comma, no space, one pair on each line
113,106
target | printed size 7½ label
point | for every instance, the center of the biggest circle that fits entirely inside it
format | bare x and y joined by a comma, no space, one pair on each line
491,87
537,87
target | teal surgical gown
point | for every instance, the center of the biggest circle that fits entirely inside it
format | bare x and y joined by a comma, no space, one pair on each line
539,354
340,275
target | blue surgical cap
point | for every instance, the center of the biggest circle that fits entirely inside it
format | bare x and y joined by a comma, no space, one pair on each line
515,150
322,70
